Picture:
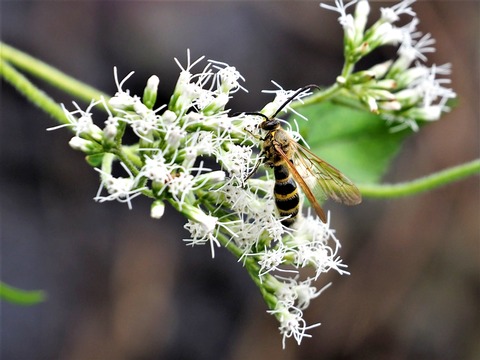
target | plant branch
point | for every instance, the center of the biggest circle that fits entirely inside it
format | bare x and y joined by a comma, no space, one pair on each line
317,96
31,92
426,183
21,297
49,74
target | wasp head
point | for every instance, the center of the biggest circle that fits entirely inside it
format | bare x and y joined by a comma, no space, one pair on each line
269,124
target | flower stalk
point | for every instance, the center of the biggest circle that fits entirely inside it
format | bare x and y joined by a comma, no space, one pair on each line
424,184
51,75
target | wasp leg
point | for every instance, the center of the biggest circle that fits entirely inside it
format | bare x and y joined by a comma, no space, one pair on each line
253,171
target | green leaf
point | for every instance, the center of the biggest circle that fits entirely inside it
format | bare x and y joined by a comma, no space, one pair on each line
95,160
358,143
21,297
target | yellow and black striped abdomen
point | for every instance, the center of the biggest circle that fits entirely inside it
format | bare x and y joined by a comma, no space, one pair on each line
286,194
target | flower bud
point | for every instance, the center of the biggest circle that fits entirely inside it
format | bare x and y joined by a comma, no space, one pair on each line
381,69
392,105
157,209
150,92
197,215
169,117
371,103
386,84
212,177
426,113
86,146
361,15
361,77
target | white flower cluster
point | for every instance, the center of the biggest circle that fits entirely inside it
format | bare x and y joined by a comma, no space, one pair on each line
225,206
403,91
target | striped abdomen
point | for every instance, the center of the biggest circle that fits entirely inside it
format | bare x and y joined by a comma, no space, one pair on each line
286,194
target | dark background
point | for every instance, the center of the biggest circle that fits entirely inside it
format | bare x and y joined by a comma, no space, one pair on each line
123,286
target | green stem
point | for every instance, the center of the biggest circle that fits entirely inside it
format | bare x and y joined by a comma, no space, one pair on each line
131,154
347,68
229,245
327,93
126,160
423,184
253,270
32,93
49,74
21,297
317,97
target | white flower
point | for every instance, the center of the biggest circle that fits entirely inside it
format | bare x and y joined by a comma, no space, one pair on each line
239,199
122,99
310,229
174,134
119,189
81,122
207,222
424,96
380,70
433,87
236,160
270,260
202,142
248,235
201,227
412,49
191,90
111,124
180,186
346,20
291,323
392,14
339,7
227,77
310,246
386,34
157,169
143,121
418,48
273,224
305,293
297,293
205,98
281,96
186,91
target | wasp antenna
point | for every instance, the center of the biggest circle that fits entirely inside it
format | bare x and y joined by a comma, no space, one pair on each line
311,86
256,113
298,92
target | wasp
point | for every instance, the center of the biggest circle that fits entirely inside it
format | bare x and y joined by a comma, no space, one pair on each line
294,164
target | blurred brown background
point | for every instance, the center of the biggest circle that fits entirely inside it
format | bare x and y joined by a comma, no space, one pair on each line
123,286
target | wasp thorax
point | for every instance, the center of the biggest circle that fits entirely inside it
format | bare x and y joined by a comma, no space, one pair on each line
274,142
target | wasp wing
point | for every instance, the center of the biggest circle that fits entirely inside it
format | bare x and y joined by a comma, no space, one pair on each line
299,178
318,179
324,180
